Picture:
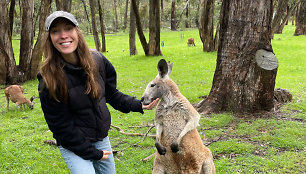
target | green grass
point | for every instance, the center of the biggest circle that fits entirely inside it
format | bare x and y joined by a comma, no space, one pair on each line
260,144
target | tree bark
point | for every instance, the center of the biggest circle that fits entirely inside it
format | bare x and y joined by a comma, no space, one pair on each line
84,5
64,5
11,15
125,14
187,15
301,20
281,9
173,16
154,28
94,27
206,28
246,67
180,17
115,21
26,42
132,33
102,26
286,18
8,70
141,36
38,48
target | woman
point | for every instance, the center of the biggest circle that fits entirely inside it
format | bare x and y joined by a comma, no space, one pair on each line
74,86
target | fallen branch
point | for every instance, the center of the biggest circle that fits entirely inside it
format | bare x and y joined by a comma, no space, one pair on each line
149,157
133,134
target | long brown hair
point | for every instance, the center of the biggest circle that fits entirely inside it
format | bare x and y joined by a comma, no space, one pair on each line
53,73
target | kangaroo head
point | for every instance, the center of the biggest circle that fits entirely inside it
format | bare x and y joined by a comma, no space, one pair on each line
157,88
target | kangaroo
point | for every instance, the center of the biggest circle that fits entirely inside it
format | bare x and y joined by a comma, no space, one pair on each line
190,41
179,146
15,94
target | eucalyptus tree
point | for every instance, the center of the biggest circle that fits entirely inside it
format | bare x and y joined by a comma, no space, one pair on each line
132,32
301,19
206,28
64,5
29,57
94,24
246,67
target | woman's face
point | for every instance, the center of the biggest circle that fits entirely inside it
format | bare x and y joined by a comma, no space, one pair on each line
64,37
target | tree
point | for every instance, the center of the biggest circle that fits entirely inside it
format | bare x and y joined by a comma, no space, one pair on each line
132,33
281,9
141,36
173,16
206,28
38,48
115,20
154,28
102,26
93,22
26,41
64,5
301,20
125,14
246,67
8,70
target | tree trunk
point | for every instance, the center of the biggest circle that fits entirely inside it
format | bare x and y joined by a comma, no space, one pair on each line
281,9
187,15
301,20
115,16
141,36
94,27
154,28
64,5
102,26
8,70
11,16
38,48
286,18
206,28
246,67
132,33
84,5
173,16
181,15
125,14
26,42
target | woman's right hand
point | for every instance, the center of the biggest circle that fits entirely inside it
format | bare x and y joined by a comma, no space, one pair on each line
105,154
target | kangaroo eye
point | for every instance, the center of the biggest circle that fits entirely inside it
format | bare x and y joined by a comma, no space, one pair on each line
152,85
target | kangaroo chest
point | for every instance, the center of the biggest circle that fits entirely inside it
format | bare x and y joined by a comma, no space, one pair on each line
171,122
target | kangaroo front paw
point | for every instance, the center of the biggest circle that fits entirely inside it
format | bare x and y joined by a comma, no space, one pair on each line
160,149
174,147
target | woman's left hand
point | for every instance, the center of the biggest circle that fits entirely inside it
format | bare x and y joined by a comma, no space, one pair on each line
151,105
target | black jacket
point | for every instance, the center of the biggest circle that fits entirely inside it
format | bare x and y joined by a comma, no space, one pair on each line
83,120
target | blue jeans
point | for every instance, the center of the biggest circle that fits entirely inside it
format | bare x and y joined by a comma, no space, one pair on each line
78,165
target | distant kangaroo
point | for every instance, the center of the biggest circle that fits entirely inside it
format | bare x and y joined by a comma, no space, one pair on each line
15,94
179,145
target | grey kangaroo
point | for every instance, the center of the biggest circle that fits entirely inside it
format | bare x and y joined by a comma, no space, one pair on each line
178,143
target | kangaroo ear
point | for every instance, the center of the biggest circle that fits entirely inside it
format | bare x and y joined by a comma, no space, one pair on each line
162,67
170,65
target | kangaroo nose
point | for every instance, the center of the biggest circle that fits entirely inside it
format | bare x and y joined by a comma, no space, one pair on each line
142,99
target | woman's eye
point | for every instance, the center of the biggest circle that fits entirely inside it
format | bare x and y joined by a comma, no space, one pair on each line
152,85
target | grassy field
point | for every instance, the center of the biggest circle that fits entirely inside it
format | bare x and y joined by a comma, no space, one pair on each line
266,143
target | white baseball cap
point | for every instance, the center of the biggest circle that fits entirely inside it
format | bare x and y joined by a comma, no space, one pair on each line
59,14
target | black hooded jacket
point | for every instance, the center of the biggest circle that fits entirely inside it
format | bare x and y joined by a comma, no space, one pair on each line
83,119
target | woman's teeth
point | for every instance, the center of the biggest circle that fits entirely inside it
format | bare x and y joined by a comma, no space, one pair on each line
65,43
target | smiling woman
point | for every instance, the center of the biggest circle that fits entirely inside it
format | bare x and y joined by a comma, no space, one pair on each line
75,84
